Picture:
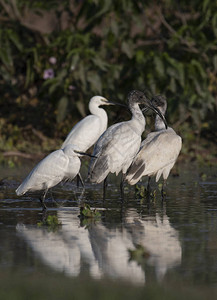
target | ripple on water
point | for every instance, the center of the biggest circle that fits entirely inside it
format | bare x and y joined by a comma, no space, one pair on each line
177,237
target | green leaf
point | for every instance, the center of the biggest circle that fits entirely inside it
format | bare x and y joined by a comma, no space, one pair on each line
103,65
199,68
15,39
81,75
127,48
114,28
159,65
140,56
172,85
95,82
5,56
206,4
53,87
28,73
81,108
214,24
181,73
62,109
61,74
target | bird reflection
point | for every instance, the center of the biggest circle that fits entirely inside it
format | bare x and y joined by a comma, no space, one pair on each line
158,237
103,251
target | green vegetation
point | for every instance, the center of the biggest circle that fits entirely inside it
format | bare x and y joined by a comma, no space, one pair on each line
51,222
139,254
88,215
143,192
55,55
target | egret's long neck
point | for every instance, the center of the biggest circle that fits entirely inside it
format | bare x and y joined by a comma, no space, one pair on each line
159,124
137,117
100,112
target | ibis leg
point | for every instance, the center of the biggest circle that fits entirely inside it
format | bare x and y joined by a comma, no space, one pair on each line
148,186
122,185
105,183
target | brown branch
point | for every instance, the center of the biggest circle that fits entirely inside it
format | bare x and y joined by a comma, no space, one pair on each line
191,47
4,19
22,154
181,121
40,135
15,9
7,9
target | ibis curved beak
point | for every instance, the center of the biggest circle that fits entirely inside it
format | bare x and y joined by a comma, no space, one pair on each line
156,110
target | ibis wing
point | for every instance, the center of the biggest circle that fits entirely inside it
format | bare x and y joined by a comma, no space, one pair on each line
157,152
114,151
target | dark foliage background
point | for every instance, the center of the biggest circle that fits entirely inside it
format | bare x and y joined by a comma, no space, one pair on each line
55,55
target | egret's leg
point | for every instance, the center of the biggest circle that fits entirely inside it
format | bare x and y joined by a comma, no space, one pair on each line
105,183
79,179
42,198
163,192
51,194
44,215
52,198
122,185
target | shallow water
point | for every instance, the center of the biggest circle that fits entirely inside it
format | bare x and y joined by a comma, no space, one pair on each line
178,236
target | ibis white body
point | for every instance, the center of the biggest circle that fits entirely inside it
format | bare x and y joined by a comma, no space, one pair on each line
57,166
157,156
118,145
86,132
158,152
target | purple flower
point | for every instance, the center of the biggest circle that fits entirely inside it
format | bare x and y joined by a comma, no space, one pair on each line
48,73
52,60
72,87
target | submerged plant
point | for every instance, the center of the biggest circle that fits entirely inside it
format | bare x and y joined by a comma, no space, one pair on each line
140,191
88,215
144,193
139,254
87,212
51,222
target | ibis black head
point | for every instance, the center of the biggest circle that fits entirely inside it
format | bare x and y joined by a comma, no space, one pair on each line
136,97
155,105
160,102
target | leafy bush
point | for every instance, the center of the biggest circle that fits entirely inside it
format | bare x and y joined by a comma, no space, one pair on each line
54,57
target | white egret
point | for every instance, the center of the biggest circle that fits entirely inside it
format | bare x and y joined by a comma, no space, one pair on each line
158,152
117,146
59,165
86,132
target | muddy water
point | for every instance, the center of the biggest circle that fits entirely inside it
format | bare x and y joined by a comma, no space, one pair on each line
137,240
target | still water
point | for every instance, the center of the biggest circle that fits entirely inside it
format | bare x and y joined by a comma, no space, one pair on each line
178,237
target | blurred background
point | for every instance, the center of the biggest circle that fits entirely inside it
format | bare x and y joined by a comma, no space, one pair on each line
56,55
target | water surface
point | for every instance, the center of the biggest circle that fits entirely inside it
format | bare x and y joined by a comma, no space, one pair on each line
178,236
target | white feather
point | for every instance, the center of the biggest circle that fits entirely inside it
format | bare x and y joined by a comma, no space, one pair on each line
86,132
57,166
